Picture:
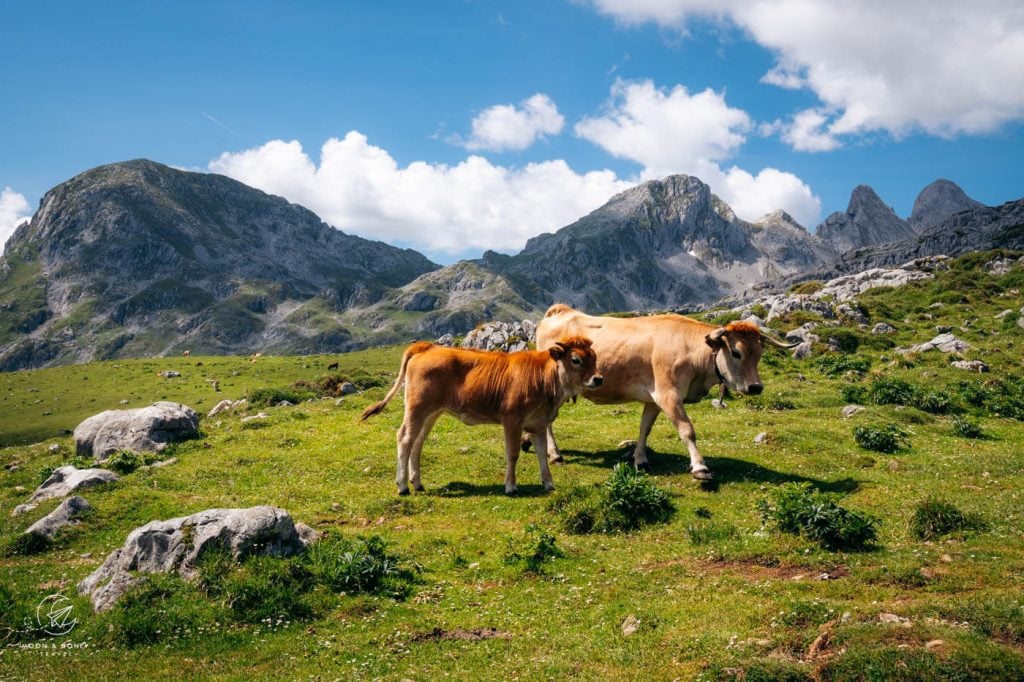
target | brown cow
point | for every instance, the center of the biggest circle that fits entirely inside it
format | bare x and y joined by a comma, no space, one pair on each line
521,391
662,361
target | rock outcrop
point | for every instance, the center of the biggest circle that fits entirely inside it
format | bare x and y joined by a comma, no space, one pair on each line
504,336
937,202
177,544
64,481
867,220
67,514
145,429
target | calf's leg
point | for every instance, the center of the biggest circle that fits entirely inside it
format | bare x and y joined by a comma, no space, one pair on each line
417,450
513,441
650,413
411,433
673,407
540,441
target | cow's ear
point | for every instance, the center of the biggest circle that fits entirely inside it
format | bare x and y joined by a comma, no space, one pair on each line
557,351
715,338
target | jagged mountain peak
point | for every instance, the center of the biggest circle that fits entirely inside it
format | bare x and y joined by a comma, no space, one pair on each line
938,201
867,220
778,218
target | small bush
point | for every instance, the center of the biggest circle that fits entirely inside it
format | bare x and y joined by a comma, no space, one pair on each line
45,473
834,365
25,544
846,340
891,391
627,501
530,554
967,428
265,397
811,286
796,508
363,564
123,462
889,438
934,518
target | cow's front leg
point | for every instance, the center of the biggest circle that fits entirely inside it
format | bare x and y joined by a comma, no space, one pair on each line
540,442
554,455
673,407
513,441
417,450
650,413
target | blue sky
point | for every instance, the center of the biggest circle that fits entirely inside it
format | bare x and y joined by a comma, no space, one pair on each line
459,125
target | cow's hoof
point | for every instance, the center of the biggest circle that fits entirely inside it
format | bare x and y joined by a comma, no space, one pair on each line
403,493
557,459
526,444
643,466
419,488
511,491
702,474
549,487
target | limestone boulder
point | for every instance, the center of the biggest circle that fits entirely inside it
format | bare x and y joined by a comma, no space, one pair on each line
145,429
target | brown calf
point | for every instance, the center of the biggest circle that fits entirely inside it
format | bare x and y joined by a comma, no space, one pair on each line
521,391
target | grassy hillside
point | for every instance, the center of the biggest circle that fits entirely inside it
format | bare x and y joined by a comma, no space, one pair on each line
503,589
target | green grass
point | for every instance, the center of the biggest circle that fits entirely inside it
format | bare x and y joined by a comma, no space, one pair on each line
715,593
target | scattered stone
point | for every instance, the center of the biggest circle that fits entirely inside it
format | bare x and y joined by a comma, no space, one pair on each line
803,333
177,544
803,351
54,448
937,304
259,415
446,340
1001,266
851,312
970,365
630,625
947,343
122,401
286,403
883,328
67,514
935,644
504,336
626,445
347,388
161,463
946,559
64,481
761,437
225,405
146,429
851,410
169,374
891,618
1005,313
718,404
943,329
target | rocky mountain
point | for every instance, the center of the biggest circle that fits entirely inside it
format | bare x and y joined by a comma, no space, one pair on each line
939,201
661,244
137,258
867,220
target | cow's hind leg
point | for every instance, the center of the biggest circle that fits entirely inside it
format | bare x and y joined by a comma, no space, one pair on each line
673,407
650,414
554,455
413,430
417,450
513,442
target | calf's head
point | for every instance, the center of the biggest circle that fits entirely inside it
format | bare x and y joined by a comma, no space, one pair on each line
739,346
577,364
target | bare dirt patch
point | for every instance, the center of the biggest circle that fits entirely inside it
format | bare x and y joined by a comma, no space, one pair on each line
439,634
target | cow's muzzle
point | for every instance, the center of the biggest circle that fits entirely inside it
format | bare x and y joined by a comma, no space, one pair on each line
594,382
755,389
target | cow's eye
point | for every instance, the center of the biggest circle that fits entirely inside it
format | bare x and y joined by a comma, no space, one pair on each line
576,361
736,354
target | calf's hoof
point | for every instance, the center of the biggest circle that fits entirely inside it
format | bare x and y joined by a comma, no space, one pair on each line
549,487
419,488
511,490
526,444
556,459
702,474
403,492
643,466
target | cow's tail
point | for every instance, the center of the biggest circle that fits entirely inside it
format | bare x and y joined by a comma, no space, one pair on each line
378,407
557,309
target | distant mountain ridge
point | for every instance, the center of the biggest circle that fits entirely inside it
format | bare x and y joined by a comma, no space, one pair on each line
140,259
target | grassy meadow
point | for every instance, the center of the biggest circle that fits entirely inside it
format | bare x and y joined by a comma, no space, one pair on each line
498,588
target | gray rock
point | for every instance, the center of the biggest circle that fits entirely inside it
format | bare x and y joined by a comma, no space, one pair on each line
883,328
54,448
787,304
937,202
225,405
1001,266
1005,313
67,514
947,343
177,544
718,404
850,410
347,388
867,220
503,336
970,365
761,437
803,333
446,340
943,329
1020,322
419,301
251,417
64,481
851,312
146,429
803,351
169,374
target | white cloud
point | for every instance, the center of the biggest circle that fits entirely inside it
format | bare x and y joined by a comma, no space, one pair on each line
672,131
439,209
944,67
807,132
13,212
505,127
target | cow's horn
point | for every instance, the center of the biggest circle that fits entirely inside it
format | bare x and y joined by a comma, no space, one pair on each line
779,344
717,334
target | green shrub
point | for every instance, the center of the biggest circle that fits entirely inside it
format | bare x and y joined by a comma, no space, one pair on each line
796,508
891,391
889,438
967,428
811,286
25,544
934,518
626,501
123,462
847,341
834,365
853,393
363,564
45,472
531,553
265,397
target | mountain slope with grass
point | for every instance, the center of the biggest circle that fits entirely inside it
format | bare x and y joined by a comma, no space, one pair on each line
888,544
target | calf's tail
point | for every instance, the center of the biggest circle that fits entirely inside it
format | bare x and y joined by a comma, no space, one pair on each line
378,407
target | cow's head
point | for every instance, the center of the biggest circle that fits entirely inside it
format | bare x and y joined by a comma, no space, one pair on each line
577,364
739,346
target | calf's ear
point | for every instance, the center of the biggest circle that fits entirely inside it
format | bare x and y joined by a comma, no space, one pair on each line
716,338
557,351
